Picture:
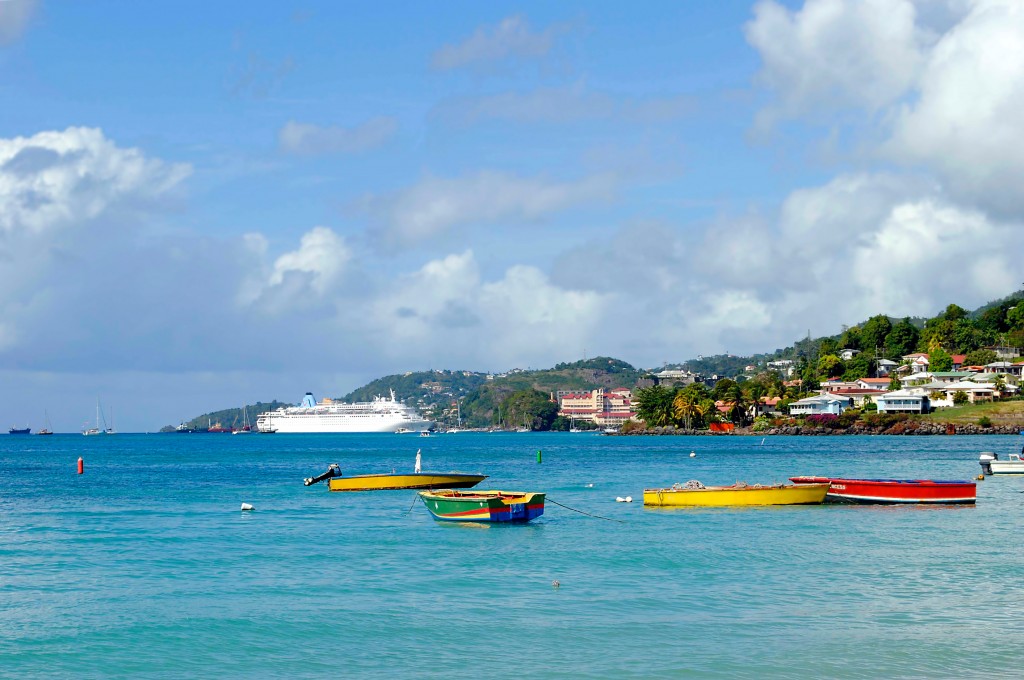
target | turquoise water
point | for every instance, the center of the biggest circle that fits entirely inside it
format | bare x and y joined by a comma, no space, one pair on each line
145,566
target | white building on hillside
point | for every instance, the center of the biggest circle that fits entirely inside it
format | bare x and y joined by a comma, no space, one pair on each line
820,403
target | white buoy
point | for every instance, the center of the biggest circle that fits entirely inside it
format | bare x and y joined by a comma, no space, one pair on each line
620,499
590,486
693,454
629,499
246,506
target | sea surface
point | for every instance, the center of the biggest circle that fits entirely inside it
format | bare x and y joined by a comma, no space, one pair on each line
145,566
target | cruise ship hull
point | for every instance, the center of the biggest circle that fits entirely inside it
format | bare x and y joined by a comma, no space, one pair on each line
383,414
326,424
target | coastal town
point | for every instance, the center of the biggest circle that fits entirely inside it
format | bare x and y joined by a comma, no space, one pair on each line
905,387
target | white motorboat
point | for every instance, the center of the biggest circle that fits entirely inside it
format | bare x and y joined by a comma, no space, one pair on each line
991,465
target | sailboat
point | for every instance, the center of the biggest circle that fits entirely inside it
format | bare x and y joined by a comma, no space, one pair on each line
46,428
246,426
110,430
88,431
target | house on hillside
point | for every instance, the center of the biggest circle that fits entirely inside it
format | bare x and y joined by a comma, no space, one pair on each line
918,362
1004,367
783,366
768,406
873,383
903,401
950,376
976,392
848,354
859,395
820,403
675,375
886,366
836,384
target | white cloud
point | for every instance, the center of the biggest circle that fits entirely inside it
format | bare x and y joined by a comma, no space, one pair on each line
925,251
447,312
966,124
305,138
860,245
944,78
511,38
297,280
533,319
832,54
435,205
14,17
64,179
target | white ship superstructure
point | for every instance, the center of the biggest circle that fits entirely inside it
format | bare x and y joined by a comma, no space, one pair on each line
383,414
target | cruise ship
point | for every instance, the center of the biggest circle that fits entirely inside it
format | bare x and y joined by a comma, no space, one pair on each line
383,414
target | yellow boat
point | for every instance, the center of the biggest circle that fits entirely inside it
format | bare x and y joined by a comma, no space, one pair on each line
412,480
694,493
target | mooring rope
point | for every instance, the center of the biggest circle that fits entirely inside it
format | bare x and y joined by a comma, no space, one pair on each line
413,505
551,500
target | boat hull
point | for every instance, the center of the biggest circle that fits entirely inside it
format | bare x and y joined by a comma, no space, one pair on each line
1006,467
483,506
16,430
353,424
728,496
421,480
894,491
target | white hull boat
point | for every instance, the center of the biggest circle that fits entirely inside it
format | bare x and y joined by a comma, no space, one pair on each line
991,465
383,414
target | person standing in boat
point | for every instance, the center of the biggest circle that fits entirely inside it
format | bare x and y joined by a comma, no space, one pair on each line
418,461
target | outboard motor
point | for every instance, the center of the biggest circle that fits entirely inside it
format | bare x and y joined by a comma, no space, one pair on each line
332,471
985,460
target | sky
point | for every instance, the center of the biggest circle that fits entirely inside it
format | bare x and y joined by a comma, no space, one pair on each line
203,205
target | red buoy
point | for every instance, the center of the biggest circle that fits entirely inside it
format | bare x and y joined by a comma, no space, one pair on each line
81,465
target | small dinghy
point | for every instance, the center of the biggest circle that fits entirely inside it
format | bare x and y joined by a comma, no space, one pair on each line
483,506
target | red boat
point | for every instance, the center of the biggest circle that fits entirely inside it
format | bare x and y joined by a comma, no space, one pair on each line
894,490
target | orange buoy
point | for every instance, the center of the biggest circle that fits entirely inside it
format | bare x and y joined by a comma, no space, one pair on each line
81,465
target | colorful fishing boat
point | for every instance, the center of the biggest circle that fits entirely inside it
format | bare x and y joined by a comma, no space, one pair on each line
888,491
483,506
693,493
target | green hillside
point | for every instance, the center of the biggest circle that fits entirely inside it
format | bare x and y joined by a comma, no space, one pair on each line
231,418
475,399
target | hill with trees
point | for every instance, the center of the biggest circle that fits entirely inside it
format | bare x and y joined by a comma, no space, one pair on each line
476,399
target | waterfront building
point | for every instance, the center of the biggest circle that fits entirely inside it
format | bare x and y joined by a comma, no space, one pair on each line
604,407
903,401
819,404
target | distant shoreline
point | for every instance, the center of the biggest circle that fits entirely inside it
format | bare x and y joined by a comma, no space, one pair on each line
902,428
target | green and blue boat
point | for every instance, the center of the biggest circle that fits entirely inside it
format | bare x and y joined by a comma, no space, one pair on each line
452,505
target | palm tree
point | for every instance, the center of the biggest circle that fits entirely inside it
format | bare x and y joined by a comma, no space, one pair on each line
685,407
703,407
738,411
757,391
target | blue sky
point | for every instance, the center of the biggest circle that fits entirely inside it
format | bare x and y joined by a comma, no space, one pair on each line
204,205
